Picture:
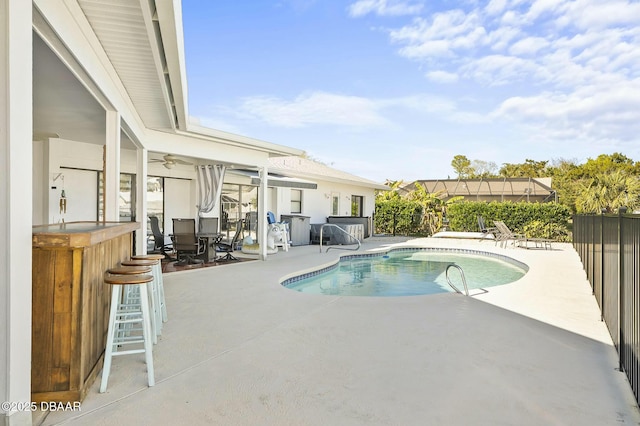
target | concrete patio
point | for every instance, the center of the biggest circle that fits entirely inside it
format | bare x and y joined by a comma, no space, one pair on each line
239,349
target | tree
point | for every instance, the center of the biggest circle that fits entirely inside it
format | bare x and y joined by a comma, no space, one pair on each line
391,194
433,207
567,180
583,187
483,169
607,163
609,191
462,166
529,168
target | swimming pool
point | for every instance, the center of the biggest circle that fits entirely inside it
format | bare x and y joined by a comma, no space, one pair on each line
408,272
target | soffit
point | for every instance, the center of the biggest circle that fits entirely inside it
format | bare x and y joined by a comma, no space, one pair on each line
121,28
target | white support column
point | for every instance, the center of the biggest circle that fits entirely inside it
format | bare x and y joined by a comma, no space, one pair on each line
262,213
16,166
112,172
141,200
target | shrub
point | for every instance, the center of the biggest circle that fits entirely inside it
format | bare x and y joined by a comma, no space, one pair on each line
540,229
398,216
538,219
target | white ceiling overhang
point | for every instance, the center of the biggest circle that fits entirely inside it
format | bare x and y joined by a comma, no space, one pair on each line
129,33
275,180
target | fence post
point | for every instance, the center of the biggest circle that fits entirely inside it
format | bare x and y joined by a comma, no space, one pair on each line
591,274
602,249
621,211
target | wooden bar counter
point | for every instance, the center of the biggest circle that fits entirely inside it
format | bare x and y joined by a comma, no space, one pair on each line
71,304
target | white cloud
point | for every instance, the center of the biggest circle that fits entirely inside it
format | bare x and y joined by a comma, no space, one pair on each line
590,113
596,14
528,46
383,8
442,36
497,70
337,110
542,42
442,76
501,38
495,7
314,108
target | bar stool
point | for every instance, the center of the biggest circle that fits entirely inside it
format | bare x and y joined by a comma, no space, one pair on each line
131,295
156,316
158,275
121,317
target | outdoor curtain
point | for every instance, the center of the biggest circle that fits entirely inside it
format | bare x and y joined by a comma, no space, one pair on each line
209,179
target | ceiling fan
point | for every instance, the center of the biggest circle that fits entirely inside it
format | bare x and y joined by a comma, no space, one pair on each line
169,161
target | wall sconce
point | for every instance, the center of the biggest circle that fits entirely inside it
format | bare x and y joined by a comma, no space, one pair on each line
326,196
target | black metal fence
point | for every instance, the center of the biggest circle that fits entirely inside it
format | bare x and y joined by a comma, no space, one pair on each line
609,247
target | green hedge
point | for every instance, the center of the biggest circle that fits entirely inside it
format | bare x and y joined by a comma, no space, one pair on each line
398,216
536,220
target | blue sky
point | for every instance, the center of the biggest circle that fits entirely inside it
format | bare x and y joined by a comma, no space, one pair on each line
394,89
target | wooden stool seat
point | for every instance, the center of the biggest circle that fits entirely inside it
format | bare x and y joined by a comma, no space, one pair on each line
128,279
122,317
130,270
148,257
139,262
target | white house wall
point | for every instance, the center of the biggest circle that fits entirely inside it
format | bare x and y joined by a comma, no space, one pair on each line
72,166
317,203
179,202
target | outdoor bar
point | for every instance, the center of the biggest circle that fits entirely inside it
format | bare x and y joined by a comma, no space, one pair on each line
71,303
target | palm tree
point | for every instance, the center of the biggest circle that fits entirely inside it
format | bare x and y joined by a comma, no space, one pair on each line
609,191
433,207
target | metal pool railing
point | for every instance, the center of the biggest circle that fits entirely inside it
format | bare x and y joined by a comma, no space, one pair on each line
608,246
341,230
464,280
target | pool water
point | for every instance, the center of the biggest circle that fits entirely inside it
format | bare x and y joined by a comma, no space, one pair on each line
408,273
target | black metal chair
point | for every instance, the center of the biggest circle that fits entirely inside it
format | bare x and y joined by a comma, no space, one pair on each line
228,247
186,243
483,227
208,225
159,245
489,233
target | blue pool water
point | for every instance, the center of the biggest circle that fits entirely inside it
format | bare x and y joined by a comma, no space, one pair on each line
408,272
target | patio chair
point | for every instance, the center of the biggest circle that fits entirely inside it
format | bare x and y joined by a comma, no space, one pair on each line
505,234
208,225
187,245
484,229
160,244
227,247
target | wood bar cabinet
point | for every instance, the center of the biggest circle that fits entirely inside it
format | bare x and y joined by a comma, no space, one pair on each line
70,304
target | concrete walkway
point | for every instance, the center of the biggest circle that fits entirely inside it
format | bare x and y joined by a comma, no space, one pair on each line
239,349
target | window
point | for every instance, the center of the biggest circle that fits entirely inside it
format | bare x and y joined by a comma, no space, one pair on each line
296,201
357,205
155,198
126,199
239,203
335,204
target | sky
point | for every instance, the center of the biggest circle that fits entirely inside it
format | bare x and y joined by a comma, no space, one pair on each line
394,89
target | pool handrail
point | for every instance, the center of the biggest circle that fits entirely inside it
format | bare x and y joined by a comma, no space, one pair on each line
333,225
464,280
